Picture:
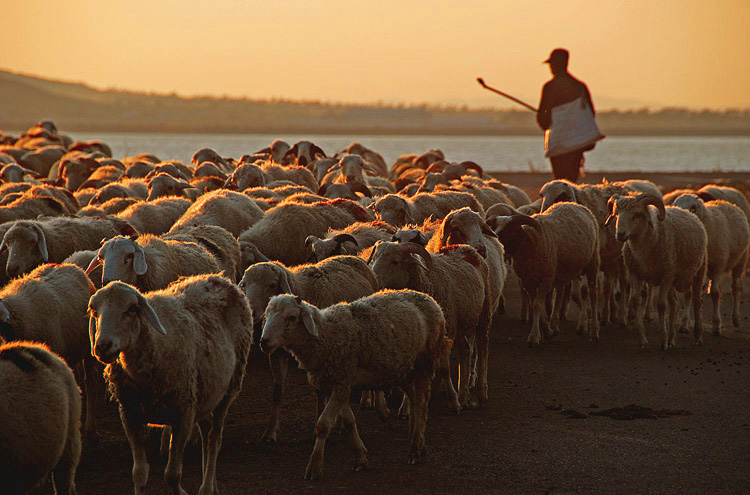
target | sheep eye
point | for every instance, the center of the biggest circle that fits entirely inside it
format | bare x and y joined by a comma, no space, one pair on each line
132,309
241,285
292,318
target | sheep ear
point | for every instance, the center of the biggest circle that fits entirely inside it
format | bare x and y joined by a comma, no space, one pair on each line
370,169
609,220
309,322
3,246
445,230
92,333
139,261
148,313
418,261
94,264
486,230
41,242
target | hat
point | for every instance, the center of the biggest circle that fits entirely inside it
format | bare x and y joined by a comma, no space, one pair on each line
559,56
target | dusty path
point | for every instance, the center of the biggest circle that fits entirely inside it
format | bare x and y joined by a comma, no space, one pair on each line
515,444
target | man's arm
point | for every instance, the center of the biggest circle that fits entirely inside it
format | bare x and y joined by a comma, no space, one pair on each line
544,114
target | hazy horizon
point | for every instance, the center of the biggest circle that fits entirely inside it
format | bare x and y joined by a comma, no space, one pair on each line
689,54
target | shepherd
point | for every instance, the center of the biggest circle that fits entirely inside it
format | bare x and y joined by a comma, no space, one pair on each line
566,113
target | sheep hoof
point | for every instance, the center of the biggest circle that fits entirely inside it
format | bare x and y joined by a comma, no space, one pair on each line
360,465
699,341
314,472
416,455
717,330
267,440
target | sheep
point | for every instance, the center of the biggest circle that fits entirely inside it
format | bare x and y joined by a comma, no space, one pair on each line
389,338
710,192
487,196
727,247
49,305
111,207
202,323
281,234
82,259
458,279
217,241
15,173
337,279
209,155
302,153
399,211
209,169
33,242
233,211
373,157
666,248
352,168
62,195
175,168
125,188
150,263
102,176
29,207
40,418
139,169
41,160
155,217
251,175
350,240
347,190
276,150
549,250
166,185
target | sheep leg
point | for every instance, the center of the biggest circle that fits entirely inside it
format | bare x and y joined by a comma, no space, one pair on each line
737,292
636,309
688,306
181,432
381,406
714,290
697,291
279,362
204,427
136,433
463,349
212,447
673,310
445,375
560,292
419,397
338,399
625,294
483,353
403,410
350,427
366,400
592,278
661,306
649,312
608,306
566,297
91,381
63,476
537,301
525,306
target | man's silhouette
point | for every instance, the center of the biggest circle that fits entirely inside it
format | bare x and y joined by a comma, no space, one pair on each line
562,88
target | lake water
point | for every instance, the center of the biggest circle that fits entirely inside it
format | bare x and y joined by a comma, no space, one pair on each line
494,153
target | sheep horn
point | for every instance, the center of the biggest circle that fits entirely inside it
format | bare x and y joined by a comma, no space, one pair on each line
521,219
650,199
322,190
342,238
412,248
94,264
486,230
469,165
309,240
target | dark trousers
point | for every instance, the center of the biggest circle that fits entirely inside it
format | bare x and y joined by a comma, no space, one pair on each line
567,166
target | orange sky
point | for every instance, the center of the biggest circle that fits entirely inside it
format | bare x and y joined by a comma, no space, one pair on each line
693,53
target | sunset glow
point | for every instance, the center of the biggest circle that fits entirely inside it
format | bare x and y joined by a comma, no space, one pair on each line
632,54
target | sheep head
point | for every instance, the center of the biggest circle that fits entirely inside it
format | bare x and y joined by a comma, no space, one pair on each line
515,231
75,171
251,254
27,248
325,248
246,176
394,210
632,214
410,235
117,314
321,167
465,226
164,184
209,169
14,173
302,153
261,282
122,258
691,203
397,264
557,191
431,180
290,322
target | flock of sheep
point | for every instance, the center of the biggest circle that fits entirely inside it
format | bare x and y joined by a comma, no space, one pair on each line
369,276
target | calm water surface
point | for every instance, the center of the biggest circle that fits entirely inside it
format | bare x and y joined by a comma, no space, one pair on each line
494,153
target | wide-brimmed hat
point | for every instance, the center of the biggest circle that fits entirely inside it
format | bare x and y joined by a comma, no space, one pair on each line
559,56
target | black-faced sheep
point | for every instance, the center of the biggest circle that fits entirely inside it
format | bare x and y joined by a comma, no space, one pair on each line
202,323
387,339
349,240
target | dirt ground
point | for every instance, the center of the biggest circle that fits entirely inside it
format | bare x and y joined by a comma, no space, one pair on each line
524,441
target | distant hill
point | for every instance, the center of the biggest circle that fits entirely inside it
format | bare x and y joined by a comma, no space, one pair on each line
24,100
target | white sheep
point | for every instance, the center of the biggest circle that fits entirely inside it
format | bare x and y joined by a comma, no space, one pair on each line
727,247
155,217
399,211
40,418
549,250
174,357
221,244
665,248
231,210
458,279
49,305
337,279
151,263
387,339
